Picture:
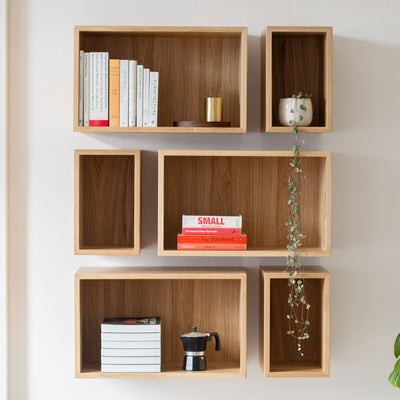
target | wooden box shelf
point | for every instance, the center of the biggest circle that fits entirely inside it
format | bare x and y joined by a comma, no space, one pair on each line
107,202
193,62
213,299
298,59
248,183
279,355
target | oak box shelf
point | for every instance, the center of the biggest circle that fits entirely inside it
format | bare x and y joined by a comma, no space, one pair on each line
107,202
213,299
297,59
279,356
193,63
248,183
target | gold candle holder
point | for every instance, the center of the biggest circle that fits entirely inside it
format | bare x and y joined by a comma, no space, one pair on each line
213,109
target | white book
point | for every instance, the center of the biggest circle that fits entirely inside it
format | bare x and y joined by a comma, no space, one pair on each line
98,89
153,102
131,360
131,325
132,93
123,92
139,97
131,352
131,337
81,74
214,221
130,345
146,96
86,67
118,368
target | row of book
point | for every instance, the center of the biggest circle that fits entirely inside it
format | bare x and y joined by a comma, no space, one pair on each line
131,345
211,232
116,93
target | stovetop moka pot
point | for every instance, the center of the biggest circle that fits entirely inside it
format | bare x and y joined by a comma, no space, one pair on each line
194,344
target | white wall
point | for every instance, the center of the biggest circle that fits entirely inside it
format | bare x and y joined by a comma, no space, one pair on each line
365,142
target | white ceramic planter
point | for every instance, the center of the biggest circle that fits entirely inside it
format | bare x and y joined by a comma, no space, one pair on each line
287,104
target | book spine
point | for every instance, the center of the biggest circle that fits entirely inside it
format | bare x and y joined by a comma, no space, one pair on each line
81,79
130,328
153,111
139,98
130,352
212,246
211,221
146,97
118,368
86,90
130,337
98,89
114,92
212,231
212,238
132,92
123,93
130,345
131,360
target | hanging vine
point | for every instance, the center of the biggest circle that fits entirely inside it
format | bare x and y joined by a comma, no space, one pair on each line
298,315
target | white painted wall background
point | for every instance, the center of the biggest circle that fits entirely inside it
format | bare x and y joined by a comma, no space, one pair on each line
366,192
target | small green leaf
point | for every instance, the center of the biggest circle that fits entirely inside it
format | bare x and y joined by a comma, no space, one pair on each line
291,110
397,346
394,377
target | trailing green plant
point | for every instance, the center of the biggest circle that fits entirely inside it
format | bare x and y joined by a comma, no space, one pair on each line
394,377
301,95
299,307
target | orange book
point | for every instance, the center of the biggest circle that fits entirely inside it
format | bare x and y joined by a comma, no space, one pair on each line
212,246
212,238
114,93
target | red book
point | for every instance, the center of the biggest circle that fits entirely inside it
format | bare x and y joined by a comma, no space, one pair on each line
212,231
98,122
212,246
212,238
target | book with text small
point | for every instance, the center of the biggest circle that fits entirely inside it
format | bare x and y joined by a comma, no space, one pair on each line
123,92
212,238
114,92
146,97
139,96
212,246
212,231
86,93
130,368
211,221
153,102
132,93
130,337
131,352
98,89
131,325
119,344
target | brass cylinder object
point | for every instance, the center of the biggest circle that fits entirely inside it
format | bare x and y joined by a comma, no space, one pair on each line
213,109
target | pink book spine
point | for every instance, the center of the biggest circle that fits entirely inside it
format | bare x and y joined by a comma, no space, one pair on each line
212,246
212,231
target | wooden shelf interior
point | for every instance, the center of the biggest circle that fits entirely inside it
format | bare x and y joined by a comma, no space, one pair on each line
209,304
192,65
281,357
252,186
301,61
107,201
283,348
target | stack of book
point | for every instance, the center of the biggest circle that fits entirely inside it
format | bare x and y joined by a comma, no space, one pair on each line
116,93
131,345
206,232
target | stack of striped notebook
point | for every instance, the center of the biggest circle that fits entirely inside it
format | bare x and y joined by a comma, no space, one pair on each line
131,345
211,232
